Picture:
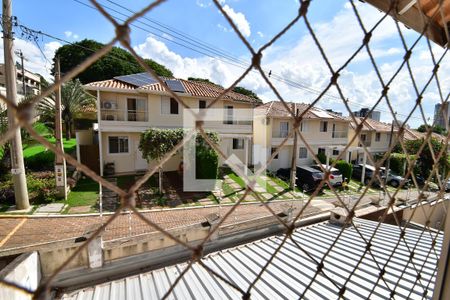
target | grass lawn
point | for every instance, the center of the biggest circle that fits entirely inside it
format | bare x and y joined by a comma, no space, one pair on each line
30,150
85,193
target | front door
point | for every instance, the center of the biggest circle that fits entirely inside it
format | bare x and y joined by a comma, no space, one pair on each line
140,163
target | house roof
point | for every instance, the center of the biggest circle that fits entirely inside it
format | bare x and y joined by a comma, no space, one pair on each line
416,14
193,88
412,134
292,270
371,125
278,110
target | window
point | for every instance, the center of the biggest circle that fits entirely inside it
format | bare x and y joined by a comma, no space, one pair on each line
118,144
201,104
136,109
272,151
284,129
323,126
228,115
363,137
302,153
321,150
335,152
169,106
238,144
377,137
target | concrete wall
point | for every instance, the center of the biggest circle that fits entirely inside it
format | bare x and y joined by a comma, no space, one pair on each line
434,212
25,271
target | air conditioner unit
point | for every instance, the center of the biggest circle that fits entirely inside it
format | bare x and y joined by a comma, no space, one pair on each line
109,105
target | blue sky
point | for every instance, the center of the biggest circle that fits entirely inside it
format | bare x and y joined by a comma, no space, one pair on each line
293,57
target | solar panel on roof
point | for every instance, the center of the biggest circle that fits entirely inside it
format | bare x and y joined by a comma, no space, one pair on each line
175,86
139,79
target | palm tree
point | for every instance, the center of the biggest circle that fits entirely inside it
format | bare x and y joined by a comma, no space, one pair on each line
74,102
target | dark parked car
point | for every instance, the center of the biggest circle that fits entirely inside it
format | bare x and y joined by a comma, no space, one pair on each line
308,178
370,172
284,174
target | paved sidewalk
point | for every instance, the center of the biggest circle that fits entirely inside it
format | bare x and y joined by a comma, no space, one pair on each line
27,231
32,230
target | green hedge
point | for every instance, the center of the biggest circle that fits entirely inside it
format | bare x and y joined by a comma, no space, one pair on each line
345,168
155,143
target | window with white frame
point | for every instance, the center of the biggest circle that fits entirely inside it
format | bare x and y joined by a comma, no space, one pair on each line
238,144
284,129
302,153
228,118
118,144
169,106
335,152
201,104
323,126
377,137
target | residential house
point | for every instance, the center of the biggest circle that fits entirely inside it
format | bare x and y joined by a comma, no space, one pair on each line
375,135
321,129
128,105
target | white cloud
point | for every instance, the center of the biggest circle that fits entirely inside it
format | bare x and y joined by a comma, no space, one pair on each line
224,28
70,34
260,34
203,4
35,60
302,64
239,19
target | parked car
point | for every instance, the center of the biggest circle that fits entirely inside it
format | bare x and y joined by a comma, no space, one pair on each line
392,178
335,176
370,172
447,185
284,174
308,178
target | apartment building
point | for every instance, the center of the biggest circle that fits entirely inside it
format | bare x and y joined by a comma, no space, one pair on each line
129,105
322,130
365,112
442,114
30,80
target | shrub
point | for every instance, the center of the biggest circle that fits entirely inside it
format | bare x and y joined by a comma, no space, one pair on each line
322,157
345,168
40,161
397,161
206,163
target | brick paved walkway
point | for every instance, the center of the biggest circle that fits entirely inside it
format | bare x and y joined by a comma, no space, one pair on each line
15,232
37,230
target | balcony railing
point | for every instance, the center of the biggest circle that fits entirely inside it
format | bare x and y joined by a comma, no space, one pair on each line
123,115
339,134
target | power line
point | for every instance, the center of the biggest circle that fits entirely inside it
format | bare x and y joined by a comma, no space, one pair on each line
217,51
240,65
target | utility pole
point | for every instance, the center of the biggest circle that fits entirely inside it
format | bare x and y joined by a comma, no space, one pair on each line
17,165
60,162
294,153
388,163
20,54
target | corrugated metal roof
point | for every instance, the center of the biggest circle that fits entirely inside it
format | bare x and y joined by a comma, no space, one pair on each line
292,270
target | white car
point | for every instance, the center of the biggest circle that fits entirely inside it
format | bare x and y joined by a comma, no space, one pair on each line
336,178
447,185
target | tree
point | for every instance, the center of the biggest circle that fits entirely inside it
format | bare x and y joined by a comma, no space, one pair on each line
436,129
203,80
74,102
425,162
117,62
244,91
155,143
